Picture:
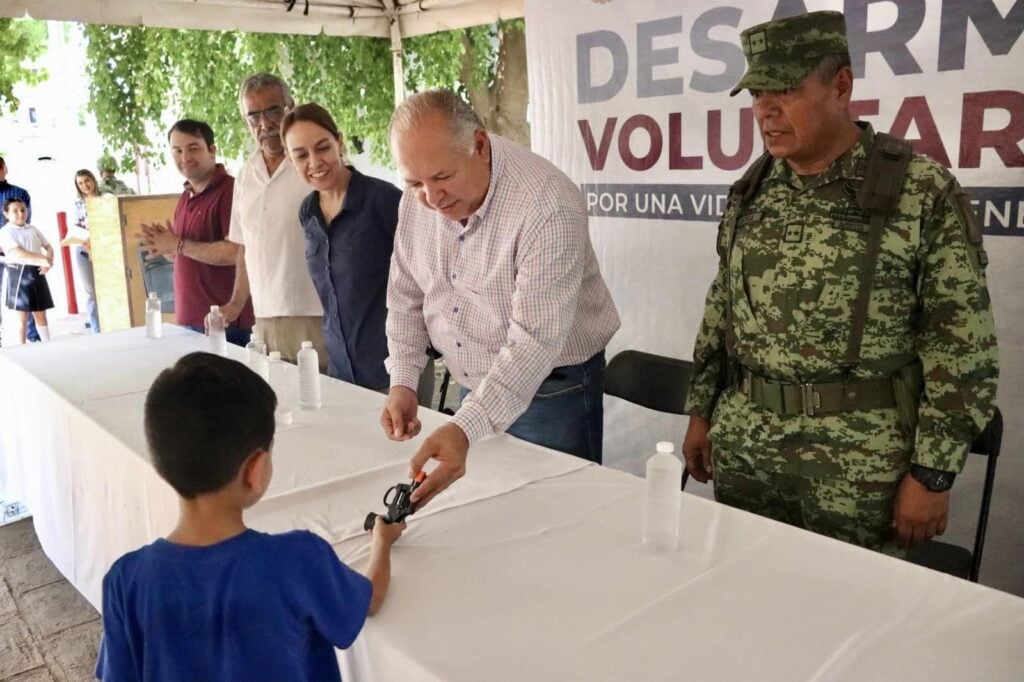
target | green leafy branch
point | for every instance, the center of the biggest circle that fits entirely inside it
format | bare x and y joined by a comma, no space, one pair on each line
24,41
143,78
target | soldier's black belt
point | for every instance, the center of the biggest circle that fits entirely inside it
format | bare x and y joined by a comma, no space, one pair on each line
786,399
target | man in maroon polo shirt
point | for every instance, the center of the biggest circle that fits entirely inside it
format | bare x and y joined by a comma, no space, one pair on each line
204,260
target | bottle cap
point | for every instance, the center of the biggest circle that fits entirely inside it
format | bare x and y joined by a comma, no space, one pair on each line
275,356
667,447
307,344
214,308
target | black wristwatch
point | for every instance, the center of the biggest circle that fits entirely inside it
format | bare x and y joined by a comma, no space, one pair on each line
936,480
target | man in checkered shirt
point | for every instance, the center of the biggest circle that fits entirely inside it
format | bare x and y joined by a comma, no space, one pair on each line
492,267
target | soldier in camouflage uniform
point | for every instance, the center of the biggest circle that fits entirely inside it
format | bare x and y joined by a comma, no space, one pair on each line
109,183
847,356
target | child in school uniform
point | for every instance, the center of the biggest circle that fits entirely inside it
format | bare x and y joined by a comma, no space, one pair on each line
216,600
29,256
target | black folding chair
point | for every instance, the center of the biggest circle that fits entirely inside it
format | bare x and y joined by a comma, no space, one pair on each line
953,559
653,381
445,382
158,276
444,394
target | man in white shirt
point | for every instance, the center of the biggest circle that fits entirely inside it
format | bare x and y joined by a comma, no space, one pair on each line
493,267
271,264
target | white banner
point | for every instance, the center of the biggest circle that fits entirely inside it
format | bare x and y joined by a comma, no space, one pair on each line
631,99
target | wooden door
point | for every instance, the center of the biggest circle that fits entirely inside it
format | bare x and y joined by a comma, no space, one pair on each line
114,223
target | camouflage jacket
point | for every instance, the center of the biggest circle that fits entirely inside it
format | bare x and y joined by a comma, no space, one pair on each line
113,186
792,277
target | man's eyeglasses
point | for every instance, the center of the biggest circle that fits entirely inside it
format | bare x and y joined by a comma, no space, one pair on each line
273,114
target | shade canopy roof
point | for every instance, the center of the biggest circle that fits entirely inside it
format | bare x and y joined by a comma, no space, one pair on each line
310,17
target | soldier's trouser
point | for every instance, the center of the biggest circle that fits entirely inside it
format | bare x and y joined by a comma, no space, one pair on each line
856,512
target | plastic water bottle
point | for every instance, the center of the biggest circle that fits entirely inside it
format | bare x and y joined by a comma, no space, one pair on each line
218,337
309,377
279,381
663,501
256,354
255,347
154,318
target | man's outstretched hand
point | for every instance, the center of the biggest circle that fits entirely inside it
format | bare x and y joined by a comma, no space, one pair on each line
449,446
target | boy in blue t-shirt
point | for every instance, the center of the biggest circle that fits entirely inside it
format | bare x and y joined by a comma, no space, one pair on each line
215,600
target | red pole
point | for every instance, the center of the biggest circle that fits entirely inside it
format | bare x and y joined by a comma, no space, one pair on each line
65,256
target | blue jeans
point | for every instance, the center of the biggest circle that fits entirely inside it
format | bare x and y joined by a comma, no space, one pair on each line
239,337
567,413
89,287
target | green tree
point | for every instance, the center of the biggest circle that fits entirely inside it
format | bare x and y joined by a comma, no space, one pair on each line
493,69
143,78
24,41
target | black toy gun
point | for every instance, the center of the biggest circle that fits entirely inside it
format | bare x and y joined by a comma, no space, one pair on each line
397,500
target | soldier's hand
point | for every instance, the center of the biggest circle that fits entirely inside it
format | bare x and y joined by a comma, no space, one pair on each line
918,514
697,449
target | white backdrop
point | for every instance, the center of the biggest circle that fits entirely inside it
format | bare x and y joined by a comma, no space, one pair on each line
630,98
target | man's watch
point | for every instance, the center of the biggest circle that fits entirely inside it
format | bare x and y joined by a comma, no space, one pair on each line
935,480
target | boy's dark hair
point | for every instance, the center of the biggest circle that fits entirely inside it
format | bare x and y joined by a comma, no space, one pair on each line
14,200
204,417
195,128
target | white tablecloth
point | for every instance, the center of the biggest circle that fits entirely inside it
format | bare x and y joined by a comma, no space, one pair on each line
74,447
530,568
551,582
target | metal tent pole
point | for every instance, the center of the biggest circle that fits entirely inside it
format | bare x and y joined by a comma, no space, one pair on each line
396,51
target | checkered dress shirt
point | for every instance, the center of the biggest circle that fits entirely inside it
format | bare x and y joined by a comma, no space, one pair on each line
505,298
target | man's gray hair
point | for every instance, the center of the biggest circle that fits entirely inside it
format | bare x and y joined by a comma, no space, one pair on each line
262,81
830,65
463,122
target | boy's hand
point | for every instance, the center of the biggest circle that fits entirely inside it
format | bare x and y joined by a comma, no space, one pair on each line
386,533
43,269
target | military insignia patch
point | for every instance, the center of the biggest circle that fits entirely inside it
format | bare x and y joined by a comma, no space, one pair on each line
758,42
794,233
748,218
850,217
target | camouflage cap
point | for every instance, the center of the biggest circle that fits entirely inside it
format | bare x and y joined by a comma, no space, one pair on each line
783,52
106,163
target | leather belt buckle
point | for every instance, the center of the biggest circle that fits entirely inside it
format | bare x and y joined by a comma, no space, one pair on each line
811,399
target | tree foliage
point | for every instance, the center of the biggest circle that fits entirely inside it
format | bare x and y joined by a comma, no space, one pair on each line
142,79
24,41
